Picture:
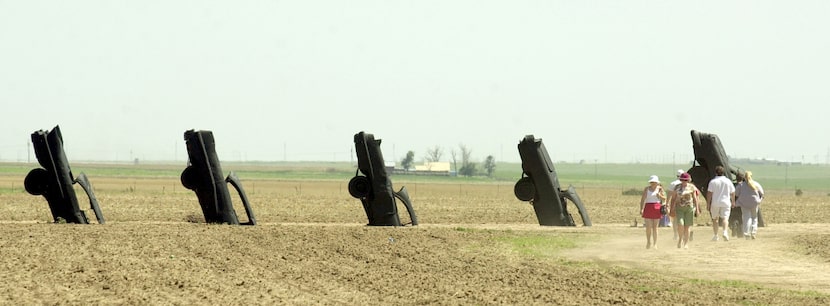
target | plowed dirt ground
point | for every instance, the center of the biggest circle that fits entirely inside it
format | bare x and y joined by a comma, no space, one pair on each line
476,244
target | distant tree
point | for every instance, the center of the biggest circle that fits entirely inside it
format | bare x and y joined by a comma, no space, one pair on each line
466,153
454,156
434,154
407,161
468,168
490,165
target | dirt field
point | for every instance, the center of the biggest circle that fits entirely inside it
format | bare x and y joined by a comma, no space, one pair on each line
476,244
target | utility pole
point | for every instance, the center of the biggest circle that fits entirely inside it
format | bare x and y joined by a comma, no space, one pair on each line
674,160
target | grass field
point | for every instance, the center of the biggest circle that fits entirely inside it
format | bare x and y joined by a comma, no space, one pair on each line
808,178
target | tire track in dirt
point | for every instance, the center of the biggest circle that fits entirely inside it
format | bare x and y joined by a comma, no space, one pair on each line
769,260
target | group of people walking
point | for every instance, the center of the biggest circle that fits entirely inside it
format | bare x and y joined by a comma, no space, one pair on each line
681,204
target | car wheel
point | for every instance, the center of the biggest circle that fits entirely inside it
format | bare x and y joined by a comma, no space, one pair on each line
360,187
37,181
524,189
189,178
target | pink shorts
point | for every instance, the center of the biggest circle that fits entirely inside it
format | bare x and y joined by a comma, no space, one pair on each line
652,211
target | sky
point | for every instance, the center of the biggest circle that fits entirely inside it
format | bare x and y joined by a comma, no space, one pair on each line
597,81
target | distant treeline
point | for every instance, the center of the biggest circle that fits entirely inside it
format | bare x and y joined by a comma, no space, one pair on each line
785,176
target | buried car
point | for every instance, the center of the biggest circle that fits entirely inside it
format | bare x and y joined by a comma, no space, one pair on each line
374,188
54,181
204,176
539,185
709,154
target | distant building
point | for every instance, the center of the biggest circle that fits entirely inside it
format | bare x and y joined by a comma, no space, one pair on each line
389,165
434,167
428,168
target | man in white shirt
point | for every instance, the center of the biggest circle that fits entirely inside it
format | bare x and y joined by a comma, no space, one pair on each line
720,198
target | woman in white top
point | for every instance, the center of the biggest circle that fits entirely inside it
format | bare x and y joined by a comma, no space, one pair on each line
653,197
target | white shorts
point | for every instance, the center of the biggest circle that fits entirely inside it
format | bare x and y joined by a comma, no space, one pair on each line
722,212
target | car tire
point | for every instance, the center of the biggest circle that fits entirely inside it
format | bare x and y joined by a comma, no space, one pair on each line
360,187
189,178
37,181
525,190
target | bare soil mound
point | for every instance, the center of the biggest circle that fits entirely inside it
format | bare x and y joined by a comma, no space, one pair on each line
183,263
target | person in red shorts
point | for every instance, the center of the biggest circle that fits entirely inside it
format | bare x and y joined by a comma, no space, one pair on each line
653,197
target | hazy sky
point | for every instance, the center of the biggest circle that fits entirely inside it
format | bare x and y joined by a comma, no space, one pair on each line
606,81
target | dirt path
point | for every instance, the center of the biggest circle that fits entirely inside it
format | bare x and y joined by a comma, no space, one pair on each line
768,260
